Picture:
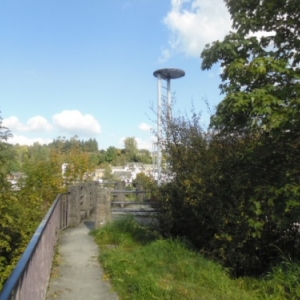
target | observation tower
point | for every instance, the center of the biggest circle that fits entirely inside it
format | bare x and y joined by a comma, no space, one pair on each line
167,75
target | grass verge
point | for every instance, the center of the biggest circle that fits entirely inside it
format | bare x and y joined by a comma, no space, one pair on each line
142,265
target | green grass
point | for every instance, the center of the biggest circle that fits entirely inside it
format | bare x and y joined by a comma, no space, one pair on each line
142,265
281,283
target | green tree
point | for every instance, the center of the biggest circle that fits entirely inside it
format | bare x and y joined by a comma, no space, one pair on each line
107,173
90,145
111,154
11,233
131,150
144,156
260,78
79,162
38,152
7,154
261,110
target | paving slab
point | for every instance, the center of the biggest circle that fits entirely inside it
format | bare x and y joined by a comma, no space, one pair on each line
79,276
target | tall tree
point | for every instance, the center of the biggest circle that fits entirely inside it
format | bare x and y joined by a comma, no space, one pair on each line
131,149
111,154
10,211
6,153
260,62
261,109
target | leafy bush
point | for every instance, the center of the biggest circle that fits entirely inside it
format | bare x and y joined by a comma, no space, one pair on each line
234,196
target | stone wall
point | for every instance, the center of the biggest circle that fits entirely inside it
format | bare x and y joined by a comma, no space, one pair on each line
106,204
102,208
87,199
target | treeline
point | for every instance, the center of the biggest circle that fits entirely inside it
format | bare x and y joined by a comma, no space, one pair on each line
98,158
236,192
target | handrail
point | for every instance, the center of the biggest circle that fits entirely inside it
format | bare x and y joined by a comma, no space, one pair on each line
128,192
29,280
9,289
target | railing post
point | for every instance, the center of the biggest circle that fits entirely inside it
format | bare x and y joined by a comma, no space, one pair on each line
140,196
120,186
84,200
74,196
91,196
102,209
64,211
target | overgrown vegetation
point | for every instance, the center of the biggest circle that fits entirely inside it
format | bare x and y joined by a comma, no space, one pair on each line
234,197
236,192
24,203
142,265
235,189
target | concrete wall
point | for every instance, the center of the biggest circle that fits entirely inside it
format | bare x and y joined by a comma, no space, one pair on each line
102,209
87,199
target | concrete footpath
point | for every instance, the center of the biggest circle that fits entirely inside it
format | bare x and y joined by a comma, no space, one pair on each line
78,275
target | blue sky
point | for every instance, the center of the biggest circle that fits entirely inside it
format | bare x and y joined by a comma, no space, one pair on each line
74,67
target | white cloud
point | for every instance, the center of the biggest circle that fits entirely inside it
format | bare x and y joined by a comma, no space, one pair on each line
23,140
38,124
74,122
13,123
260,34
121,141
69,121
193,24
145,127
141,144
34,124
145,144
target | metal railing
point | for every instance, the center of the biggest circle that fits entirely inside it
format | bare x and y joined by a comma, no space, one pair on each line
29,280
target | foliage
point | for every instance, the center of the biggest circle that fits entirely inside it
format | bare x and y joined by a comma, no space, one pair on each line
260,77
260,81
79,164
65,145
280,283
6,154
147,182
144,156
23,206
42,183
131,150
111,154
172,270
11,230
107,173
89,149
234,196
12,234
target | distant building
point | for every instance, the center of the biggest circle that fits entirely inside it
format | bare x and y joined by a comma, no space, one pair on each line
99,173
14,179
126,173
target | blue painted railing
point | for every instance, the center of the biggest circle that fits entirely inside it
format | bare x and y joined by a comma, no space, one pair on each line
29,280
